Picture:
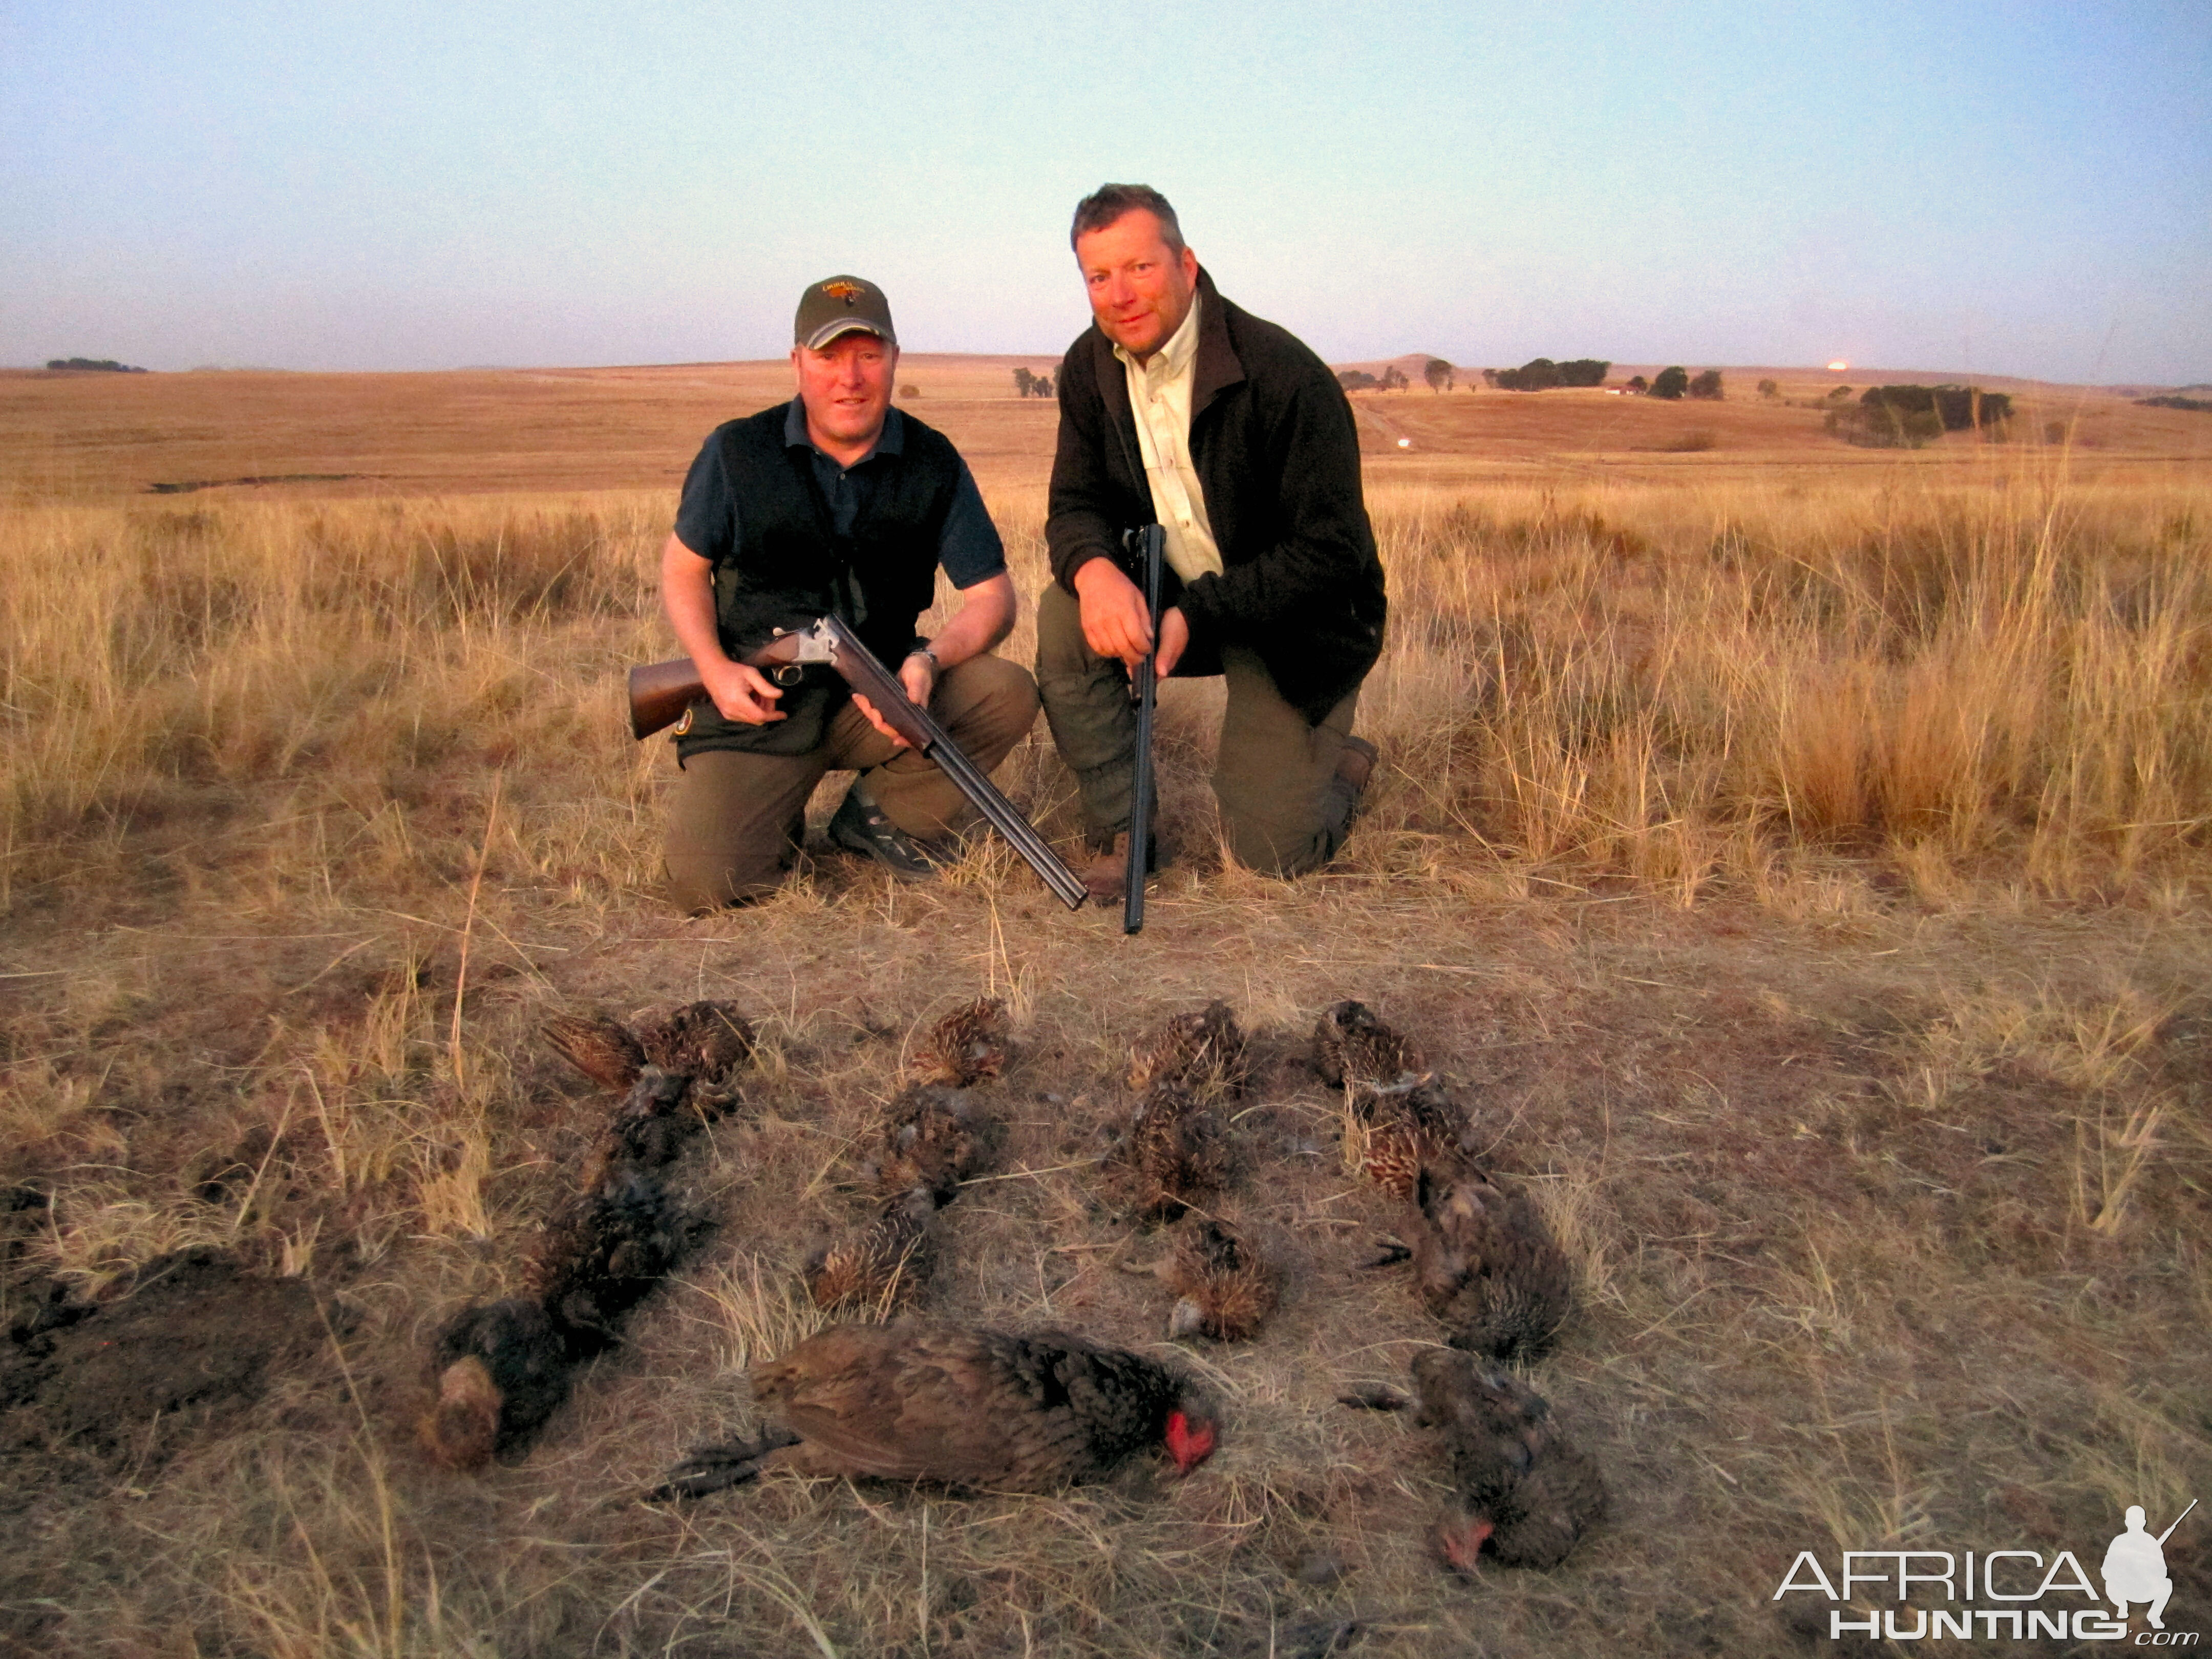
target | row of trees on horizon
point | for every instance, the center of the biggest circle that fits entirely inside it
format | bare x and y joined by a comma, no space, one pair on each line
1541,374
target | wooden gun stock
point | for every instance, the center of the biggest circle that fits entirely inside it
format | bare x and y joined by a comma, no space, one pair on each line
661,692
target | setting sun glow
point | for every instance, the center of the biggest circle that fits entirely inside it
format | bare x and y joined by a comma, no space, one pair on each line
1838,366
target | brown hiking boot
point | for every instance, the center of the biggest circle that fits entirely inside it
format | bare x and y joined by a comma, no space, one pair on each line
1106,877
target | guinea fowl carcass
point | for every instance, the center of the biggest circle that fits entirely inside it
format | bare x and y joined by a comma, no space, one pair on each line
502,1368
933,1137
959,1405
881,1267
1486,1264
1224,1286
1174,1153
1352,1048
1524,1492
969,1046
1202,1054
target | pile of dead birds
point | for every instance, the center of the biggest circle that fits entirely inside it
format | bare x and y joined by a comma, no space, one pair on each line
503,1368
915,1399
1485,1266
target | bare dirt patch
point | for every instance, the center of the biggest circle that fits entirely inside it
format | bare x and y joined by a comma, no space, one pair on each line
193,1340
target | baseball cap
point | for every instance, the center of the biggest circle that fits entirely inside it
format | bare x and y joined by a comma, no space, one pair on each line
838,305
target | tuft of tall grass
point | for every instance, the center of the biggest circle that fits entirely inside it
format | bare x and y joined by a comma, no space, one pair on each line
1620,681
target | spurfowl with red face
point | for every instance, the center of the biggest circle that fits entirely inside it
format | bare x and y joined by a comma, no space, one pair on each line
1525,1494
959,1405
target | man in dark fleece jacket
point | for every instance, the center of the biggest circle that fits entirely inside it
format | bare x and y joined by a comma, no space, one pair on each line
1177,407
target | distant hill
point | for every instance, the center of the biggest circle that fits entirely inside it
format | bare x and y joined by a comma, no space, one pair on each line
98,365
1742,377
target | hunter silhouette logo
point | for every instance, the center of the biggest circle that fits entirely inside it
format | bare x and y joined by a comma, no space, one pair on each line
2034,1598
849,292
2135,1566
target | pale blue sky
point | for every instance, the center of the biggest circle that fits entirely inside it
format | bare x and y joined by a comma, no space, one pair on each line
2019,188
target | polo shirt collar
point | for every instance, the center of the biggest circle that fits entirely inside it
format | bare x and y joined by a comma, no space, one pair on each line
891,440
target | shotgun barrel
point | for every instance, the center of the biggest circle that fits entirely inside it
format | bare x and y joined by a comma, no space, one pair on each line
1146,546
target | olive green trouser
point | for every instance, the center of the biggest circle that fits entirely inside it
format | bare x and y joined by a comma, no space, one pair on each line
735,819
1283,808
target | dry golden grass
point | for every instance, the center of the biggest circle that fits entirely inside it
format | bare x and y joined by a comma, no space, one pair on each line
1804,874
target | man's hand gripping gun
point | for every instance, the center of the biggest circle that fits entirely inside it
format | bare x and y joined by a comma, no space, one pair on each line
661,693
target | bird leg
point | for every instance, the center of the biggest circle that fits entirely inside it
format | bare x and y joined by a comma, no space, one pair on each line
731,1463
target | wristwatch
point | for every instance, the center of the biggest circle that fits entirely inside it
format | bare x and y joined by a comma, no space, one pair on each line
935,667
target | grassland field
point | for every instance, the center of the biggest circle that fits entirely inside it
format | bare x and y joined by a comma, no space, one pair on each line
1796,855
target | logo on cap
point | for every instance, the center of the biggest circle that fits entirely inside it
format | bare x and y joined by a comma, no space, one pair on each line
842,289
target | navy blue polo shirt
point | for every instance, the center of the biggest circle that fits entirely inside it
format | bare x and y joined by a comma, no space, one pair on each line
970,550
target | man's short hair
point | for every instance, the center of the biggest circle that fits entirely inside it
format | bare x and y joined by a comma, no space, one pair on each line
1110,202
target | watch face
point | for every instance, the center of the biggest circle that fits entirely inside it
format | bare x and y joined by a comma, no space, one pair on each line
683,725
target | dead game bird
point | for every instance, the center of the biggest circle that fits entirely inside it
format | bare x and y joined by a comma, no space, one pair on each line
1174,1153
501,1370
1352,1048
932,1138
605,1251
969,1046
960,1405
1391,1132
598,1045
647,1132
881,1268
1201,1053
706,1041
1225,1286
1487,1266
1524,1493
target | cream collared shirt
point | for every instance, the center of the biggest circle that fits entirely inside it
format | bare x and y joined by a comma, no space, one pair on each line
1159,397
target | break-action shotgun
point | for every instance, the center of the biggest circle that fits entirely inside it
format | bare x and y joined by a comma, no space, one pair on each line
661,693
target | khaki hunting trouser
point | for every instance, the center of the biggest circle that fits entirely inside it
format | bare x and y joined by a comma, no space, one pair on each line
735,819
1283,807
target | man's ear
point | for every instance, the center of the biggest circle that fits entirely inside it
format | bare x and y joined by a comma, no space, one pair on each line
1189,267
